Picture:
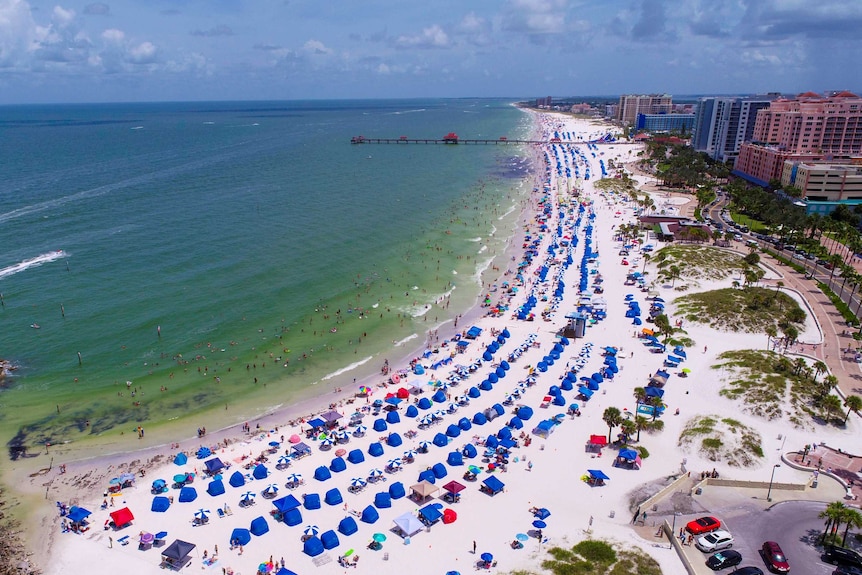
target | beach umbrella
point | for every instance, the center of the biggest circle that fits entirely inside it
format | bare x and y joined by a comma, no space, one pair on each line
294,478
326,444
487,557
521,537
426,419
360,430
295,438
271,489
394,463
410,454
247,496
202,514
379,537
311,530
375,473
364,389
284,460
274,443
539,524
358,482
424,445
340,452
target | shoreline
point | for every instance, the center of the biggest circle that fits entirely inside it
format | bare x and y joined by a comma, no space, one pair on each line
80,459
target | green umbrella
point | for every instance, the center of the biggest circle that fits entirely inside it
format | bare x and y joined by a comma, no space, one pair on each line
348,553
379,537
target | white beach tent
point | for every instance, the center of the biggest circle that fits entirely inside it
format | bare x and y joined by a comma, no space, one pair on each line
408,524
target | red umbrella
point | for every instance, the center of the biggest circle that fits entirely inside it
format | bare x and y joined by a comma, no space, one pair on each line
454,487
402,393
340,452
449,516
295,438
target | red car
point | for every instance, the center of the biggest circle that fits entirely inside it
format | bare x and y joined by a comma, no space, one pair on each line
774,557
703,525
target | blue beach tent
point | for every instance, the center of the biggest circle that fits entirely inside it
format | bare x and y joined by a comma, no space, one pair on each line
333,497
311,501
293,517
347,526
237,479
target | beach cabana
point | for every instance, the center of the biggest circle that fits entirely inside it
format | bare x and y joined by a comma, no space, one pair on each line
430,514
479,418
469,451
440,440
160,504
333,497
453,490
181,459
331,416
356,456
427,475
159,486
596,477
259,526
392,418
122,517
455,458
380,425
338,465
77,516
240,536
369,515
628,458
596,443
260,471
396,490
408,524
525,412
311,501
423,490
544,428
300,450
464,424
213,466
313,546
424,403
286,503
659,379
541,513
177,555
329,539
237,479
317,423
516,423
492,486
473,392
375,449
394,440
348,526
382,500
293,517
439,470
411,411
187,494
215,488
322,473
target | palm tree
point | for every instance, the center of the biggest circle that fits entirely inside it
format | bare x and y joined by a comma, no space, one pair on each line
832,514
830,404
627,427
640,394
646,260
852,518
641,422
612,417
819,367
799,364
771,333
853,403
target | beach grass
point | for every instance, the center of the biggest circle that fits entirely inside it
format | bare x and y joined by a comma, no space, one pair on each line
751,310
697,262
722,439
770,385
596,556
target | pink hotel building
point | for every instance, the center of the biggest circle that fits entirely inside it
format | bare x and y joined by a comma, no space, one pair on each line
810,127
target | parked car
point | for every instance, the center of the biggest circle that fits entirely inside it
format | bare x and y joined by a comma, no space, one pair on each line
703,525
842,556
847,570
748,571
715,541
724,559
774,557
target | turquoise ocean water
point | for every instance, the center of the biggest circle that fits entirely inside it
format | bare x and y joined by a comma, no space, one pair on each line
236,254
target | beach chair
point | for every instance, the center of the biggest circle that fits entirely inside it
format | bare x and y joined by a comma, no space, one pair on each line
124,540
220,513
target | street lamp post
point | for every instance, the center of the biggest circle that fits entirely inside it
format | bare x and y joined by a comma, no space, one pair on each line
769,493
673,530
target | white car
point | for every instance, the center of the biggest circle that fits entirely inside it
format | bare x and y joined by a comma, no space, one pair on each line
715,541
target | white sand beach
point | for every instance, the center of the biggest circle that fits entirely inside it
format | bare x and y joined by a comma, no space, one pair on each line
545,473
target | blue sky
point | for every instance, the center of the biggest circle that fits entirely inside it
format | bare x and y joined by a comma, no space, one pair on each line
157,50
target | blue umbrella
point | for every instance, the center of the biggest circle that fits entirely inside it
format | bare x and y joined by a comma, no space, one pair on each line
202,513
410,454
521,537
160,535
539,524
248,495
294,478
358,482
311,530
487,557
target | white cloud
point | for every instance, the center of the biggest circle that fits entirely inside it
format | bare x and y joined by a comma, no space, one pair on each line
383,69
113,35
431,37
63,17
316,47
143,53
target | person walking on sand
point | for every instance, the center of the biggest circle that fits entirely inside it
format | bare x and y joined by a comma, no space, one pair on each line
474,547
